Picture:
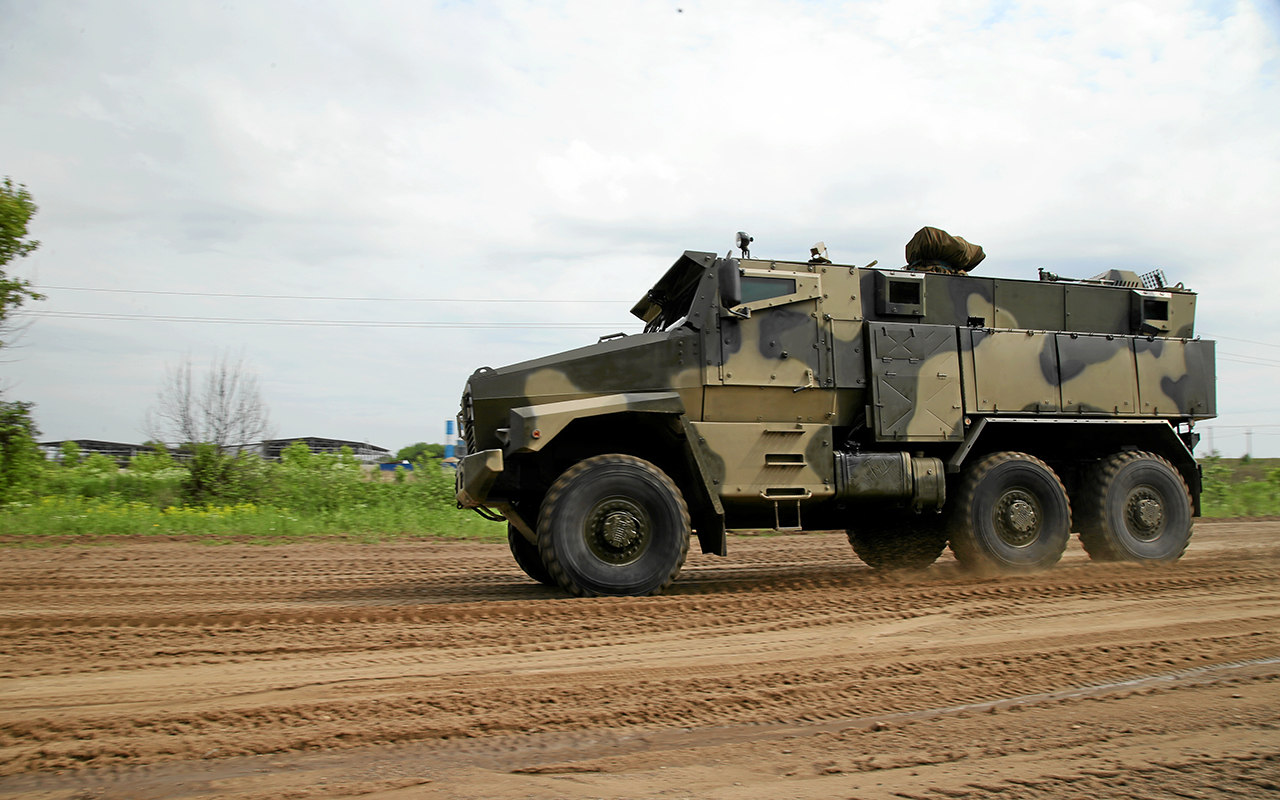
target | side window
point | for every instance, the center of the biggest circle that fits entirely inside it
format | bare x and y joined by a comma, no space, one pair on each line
754,288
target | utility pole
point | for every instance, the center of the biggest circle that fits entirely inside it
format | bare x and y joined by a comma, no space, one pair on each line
1248,442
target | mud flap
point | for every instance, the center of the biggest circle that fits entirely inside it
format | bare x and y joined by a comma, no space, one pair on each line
702,495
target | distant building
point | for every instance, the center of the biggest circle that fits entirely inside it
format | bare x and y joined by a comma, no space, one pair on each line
364,452
119,451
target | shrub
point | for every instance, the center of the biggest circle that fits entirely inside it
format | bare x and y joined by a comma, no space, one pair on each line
69,454
214,476
20,458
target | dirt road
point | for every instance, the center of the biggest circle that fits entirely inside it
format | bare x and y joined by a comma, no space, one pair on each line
437,669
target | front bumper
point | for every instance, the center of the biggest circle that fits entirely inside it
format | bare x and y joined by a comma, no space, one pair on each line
476,475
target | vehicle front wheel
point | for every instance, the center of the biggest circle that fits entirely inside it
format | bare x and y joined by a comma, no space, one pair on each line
1012,515
1136,507
614,525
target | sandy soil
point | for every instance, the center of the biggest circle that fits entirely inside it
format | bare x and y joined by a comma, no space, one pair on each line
786,670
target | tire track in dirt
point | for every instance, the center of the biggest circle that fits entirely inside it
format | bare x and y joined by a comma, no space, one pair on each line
149,653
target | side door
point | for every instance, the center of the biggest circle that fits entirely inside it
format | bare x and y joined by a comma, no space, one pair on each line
781,343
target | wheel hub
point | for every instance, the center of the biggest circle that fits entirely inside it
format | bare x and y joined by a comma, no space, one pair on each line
1017,518
1145,513
617,530
1022,516
620,529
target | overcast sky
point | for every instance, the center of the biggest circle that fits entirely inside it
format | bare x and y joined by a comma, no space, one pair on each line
451,155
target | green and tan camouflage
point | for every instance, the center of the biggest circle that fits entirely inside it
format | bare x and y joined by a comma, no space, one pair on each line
909,407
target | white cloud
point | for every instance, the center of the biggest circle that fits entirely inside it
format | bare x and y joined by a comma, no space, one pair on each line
573,149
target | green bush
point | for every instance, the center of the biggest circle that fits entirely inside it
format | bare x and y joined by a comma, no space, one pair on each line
70,454
318,483
214,476
20,458
98,476
1224,494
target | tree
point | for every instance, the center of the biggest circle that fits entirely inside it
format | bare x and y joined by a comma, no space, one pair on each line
16,210
224,408
420,452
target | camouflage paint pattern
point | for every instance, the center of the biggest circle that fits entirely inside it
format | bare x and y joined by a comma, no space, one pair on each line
883,360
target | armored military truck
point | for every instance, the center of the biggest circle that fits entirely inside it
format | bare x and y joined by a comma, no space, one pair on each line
911,407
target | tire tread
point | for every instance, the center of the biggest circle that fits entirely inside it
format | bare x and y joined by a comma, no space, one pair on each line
527,557
915,549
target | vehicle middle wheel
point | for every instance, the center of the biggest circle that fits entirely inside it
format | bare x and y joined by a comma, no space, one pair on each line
1012,515
888,541
614,525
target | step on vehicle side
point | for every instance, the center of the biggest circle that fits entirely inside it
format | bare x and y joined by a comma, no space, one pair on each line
913,408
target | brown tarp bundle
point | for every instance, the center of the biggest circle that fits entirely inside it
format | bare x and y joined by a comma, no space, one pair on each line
931,247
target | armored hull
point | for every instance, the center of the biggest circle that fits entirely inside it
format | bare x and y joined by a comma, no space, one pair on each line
911,408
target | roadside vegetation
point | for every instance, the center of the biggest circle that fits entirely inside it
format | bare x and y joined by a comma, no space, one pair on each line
218,497
1240,487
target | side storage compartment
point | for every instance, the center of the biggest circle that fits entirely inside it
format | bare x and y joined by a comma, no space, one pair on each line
1098,374
1176,377
1011,372
915,382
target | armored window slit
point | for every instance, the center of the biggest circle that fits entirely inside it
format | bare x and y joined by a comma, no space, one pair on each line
1155,309
904,292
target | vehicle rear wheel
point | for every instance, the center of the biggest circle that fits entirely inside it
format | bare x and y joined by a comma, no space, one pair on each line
1136,507
903,541
614,525
526,555
1012,515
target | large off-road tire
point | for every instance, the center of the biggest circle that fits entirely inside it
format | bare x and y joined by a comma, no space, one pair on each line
902,541
614,525
1012,515
1135,507
526,555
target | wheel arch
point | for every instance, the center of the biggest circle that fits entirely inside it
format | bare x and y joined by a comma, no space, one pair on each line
665,439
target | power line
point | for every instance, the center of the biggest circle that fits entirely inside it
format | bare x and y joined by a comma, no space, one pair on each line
320,297
1255,358
1229,357
1246,341
334,323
